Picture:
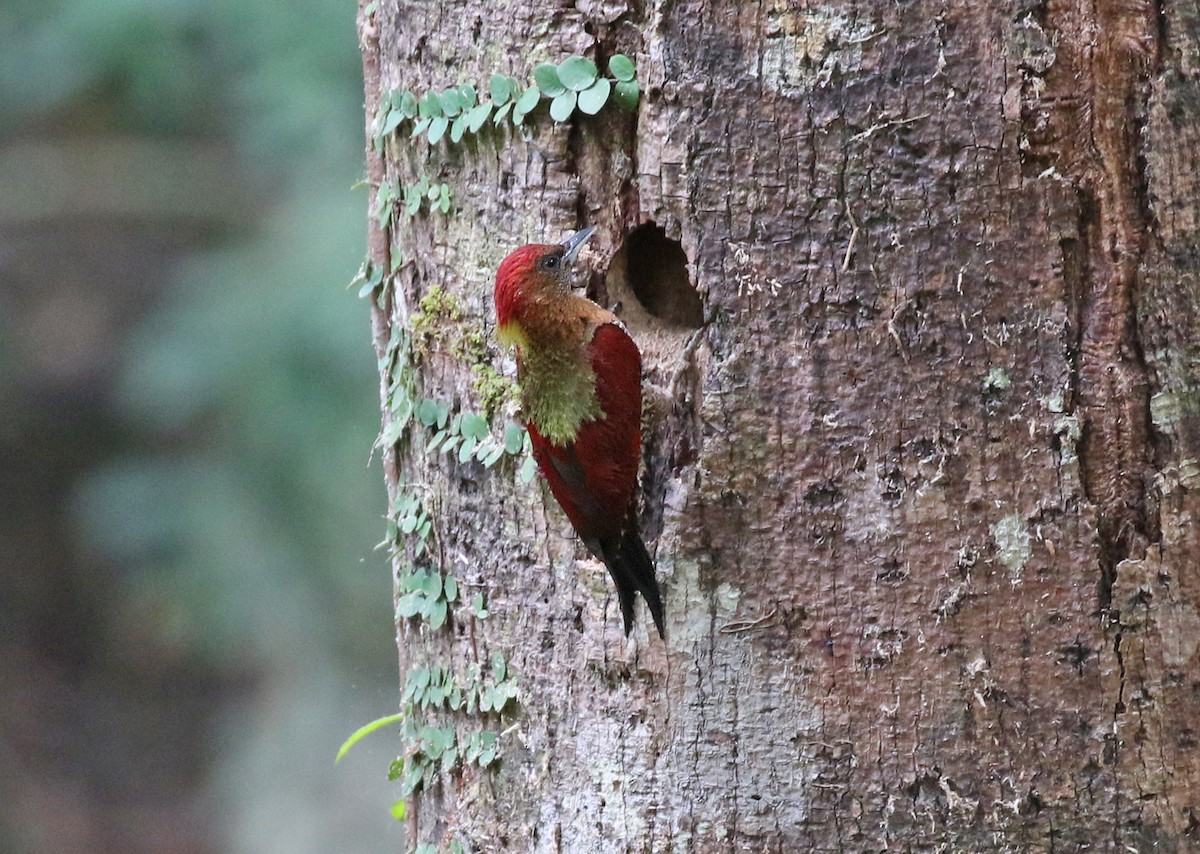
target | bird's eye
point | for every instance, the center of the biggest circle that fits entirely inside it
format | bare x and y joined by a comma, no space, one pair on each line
550,262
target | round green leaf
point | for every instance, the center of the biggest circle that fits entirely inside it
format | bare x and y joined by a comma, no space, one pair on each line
451,101
502,113
458,128
408,606
421,677
514,438
500,89
430,583
469,96
478,116
576,72
437,129
493,455
427,412
430,107
528,469
437,614
621,66
394,117
563,105
528,100
546,77
474,426
408,104
626,95
595,96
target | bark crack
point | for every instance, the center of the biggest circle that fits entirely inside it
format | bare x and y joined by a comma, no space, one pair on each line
1115,390
1095,136
1115,450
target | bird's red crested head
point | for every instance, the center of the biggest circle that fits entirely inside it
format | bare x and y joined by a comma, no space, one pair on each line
521,277
531,277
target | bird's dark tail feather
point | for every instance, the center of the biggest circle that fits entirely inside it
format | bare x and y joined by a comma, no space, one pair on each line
632,571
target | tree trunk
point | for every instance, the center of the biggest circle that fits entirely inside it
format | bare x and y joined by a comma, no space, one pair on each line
916,287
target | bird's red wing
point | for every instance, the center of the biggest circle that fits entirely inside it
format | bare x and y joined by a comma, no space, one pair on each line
594,477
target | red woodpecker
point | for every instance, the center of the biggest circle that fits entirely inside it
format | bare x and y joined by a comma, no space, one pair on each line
581,393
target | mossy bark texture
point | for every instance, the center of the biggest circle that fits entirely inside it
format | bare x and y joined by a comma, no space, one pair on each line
923,489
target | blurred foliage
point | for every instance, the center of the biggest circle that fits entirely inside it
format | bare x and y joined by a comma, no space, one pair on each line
239,506
245,498
253,503
283,82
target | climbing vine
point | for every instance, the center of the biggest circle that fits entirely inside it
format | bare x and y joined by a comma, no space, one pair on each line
452,716
575,84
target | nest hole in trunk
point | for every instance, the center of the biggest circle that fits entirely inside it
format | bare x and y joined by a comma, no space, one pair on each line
651,270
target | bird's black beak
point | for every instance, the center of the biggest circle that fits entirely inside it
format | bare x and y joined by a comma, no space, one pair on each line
573,244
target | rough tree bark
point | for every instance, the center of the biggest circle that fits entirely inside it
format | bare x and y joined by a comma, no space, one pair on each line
923,482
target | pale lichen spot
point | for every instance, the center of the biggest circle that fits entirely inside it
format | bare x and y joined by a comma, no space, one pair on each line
996,381
1054,402
1069,432
688,601
1035,48
692,603
728,597
1180,626
1168,408
1014,544
1184,474
596,739
804,48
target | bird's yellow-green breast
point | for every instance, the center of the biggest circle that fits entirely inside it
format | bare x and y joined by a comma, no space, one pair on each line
558,390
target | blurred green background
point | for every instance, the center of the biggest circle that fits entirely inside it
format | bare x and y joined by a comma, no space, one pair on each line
192,616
